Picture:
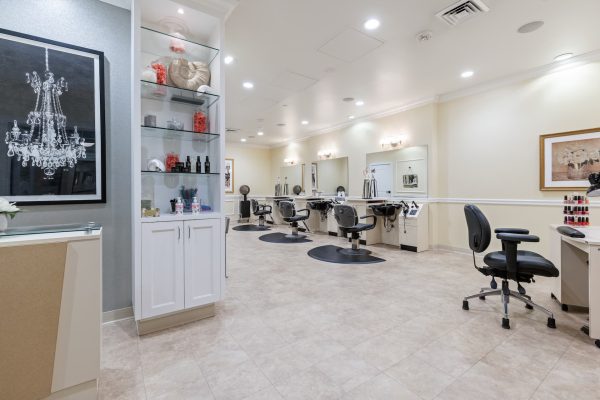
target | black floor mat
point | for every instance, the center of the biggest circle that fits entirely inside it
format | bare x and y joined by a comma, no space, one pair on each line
334,254
279,237
251,228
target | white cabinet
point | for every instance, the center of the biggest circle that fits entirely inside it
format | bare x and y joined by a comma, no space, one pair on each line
180,265
202,254
162,268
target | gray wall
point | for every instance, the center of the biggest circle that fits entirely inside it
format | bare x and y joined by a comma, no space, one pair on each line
99,26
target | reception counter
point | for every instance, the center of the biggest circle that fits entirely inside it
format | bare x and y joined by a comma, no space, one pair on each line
51,311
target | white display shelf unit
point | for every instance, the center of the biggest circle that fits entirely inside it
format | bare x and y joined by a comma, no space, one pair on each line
178,260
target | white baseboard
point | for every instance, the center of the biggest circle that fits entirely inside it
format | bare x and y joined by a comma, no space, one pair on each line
115,315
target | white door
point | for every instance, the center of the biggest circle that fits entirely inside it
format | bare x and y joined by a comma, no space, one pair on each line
384,176
202,262
162,268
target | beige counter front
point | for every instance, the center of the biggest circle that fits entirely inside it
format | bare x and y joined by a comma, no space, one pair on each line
50,308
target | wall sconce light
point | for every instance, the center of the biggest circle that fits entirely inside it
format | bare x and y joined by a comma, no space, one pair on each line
391,142
325,154
290,161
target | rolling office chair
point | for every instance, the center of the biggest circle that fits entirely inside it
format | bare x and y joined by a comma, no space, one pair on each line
261,211
508,264
348,222
290,215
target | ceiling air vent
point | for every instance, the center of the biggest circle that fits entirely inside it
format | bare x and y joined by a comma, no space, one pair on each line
461,11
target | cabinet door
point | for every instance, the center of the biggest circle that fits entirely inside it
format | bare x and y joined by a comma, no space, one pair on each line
162,268
202,262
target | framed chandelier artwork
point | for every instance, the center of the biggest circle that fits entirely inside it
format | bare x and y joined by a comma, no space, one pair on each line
52,130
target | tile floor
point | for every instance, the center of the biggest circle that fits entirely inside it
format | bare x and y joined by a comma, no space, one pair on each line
291,328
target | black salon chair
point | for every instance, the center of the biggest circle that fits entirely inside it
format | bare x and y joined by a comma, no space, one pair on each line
509,264
261,211
290,215
348,222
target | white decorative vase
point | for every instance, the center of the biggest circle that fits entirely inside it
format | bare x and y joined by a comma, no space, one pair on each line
3,222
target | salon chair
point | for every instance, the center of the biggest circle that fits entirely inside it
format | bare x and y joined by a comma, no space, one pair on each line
348,222
261,211
510,264
290,215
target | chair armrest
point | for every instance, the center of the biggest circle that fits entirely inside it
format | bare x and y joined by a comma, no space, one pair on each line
304,209
265,207
371,216
520,231
517,238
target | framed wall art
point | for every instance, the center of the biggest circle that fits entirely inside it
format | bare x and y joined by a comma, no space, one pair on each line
229,175
314,179
568,158
52,120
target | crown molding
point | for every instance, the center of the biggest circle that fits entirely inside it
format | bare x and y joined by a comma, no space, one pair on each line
126,4
574,62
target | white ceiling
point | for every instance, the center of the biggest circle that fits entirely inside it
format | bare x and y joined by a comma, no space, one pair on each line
305,56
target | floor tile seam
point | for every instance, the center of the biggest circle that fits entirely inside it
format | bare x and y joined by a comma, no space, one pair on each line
403,384
551,369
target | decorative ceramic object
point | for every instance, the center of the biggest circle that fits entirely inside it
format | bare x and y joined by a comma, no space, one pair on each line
156,165
175,124
7,209
3,222
176,45
189,74
149,75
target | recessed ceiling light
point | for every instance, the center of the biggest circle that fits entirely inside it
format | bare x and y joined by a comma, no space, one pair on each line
180,11
360,103
563,57
350,116
248,85
531,27
372,24
260,133
228,59
243,139
467,74
305,122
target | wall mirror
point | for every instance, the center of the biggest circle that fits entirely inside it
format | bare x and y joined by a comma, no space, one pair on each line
325,176
401,172
293,173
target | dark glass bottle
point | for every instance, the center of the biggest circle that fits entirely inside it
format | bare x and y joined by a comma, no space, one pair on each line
198,165
188,164
207,166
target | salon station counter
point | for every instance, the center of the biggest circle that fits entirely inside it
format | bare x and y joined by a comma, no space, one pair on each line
51,308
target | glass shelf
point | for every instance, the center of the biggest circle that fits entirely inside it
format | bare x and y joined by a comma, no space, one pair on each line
156,91
159,44
36,230
166,133
180,173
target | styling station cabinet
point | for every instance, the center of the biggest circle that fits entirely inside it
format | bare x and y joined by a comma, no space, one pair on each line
178,155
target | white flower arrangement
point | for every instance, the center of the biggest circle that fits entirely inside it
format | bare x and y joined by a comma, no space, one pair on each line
8,208
578,157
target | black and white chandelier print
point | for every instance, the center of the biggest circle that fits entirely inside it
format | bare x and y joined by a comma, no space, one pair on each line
52,121
47,144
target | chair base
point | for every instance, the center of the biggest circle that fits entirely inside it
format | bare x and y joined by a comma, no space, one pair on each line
355,252
340,255
279,237
506,294
295,236
251,228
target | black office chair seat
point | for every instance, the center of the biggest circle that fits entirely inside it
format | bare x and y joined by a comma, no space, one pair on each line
296,218
359,228
528,265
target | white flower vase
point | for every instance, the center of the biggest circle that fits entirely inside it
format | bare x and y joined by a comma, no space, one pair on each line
3,222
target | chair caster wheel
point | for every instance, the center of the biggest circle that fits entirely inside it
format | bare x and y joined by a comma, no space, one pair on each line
481,297
529,306
505,323
585,329
466,305
551,323
564,307
597,342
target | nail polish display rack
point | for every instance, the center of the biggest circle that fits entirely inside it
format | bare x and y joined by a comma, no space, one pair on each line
576,210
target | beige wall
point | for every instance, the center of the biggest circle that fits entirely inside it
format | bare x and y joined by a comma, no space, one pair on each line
252,167
417,126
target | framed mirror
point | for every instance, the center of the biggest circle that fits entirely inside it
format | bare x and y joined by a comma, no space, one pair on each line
401,172
292,175
325,176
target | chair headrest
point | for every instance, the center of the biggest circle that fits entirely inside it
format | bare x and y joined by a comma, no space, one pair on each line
345,215
480,232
